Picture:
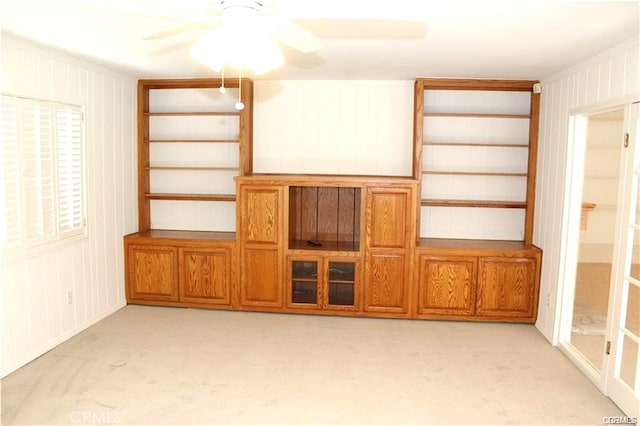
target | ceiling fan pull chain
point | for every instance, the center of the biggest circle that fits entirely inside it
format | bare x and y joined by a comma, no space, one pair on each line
239,104
223,90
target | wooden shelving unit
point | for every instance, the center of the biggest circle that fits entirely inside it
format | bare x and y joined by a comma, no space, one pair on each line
326,244
212,125
340,245
475,148
188,134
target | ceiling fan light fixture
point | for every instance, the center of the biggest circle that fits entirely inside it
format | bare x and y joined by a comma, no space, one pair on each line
258,54
242,42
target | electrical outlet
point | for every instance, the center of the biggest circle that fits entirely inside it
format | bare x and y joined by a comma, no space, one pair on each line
548,299
69,297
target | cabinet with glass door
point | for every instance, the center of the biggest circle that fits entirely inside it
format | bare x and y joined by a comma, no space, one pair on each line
323,282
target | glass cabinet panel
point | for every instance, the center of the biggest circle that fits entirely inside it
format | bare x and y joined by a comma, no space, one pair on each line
304,282
341,283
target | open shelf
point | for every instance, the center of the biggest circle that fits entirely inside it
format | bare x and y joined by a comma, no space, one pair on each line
325,245
328,215
474,115
189,113
479,145
192,168
185,235
191,141
458,243
475,155
444,172
190,197
474,203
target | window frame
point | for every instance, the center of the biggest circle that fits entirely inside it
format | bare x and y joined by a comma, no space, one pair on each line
25,246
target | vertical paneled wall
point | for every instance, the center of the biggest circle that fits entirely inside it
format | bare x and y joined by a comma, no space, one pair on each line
36,315
608,79
334,127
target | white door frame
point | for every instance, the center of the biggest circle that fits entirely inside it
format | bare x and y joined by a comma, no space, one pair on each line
617,390
574,179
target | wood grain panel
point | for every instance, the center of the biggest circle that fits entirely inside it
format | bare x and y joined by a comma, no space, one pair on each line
308,213
324,213
260,212
385,284
205,276
153,273
328,208
387,212
532,167
446,285
295,194
506,287
347,213
246,128
144,206
261,282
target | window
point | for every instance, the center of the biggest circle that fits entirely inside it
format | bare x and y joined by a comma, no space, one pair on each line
42,173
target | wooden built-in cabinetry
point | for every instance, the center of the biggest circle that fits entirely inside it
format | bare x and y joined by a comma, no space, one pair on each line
192,143
330,238
451,241
389,249
261,237
475,149
481,280
180,268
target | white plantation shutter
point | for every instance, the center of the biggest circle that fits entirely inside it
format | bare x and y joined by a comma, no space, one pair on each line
70,188
10,232
36,143
43,172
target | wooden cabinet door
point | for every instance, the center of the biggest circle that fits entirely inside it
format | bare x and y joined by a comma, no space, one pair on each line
389,239
385,289
506,287
260,213
261,281
305,286
446,285
342,284
152,273
388,217
205,275
261,236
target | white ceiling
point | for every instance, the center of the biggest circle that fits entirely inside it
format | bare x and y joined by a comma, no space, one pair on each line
446,38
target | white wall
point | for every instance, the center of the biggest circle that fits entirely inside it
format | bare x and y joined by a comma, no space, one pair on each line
335,127
35,313
608,79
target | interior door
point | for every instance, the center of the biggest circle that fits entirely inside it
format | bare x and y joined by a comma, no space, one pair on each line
623,368
602,156
604,348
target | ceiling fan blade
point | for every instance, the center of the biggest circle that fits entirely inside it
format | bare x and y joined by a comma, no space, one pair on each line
197,24
293,35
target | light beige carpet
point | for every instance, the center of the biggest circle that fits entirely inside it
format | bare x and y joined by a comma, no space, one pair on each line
149,365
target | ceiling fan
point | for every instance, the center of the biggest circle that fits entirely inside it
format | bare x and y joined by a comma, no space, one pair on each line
258,27
243,33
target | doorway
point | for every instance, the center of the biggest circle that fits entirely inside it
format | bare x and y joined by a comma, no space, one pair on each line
599,327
